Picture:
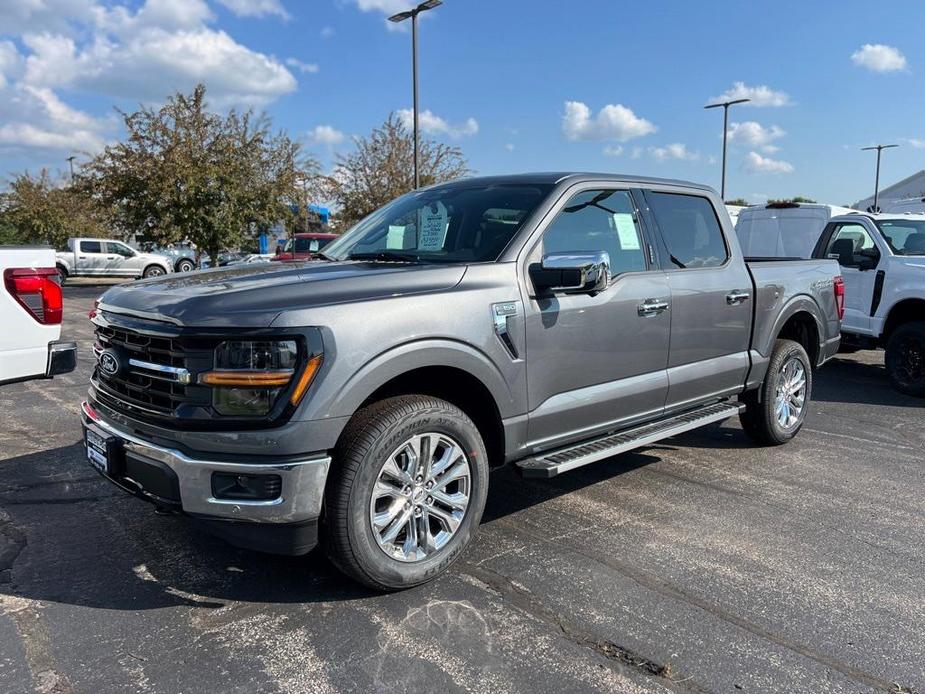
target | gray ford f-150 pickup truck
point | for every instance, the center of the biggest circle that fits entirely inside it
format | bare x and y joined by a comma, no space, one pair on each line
547,321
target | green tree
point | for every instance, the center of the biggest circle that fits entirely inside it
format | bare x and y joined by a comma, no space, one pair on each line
184,172
381,168
37,209
738,201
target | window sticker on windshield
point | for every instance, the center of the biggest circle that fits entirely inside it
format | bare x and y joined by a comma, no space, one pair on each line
626,231
399,238
433,227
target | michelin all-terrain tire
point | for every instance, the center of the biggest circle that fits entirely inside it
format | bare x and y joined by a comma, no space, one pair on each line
775,412
413,463
905,359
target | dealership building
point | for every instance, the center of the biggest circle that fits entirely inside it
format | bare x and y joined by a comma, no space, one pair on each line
911,187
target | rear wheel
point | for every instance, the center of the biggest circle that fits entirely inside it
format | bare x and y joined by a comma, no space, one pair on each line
905,358
185,265
407,491
62,274
153,271
775,412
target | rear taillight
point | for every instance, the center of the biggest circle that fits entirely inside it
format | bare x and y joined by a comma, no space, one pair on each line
839,284
36,290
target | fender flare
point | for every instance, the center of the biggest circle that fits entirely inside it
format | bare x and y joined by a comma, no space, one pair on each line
800,303
417,354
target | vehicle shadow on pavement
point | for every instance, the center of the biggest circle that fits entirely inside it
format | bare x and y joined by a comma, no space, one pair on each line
849,381
67,535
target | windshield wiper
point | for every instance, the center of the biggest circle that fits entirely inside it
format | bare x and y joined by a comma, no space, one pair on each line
387,256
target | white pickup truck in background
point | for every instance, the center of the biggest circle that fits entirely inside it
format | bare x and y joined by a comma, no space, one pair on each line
783,230
31,307
109,258
882,259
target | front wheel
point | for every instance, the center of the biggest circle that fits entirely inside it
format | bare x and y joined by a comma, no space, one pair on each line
905,359
153,271
407,491
776,411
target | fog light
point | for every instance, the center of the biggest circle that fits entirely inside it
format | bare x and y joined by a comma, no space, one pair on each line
246,487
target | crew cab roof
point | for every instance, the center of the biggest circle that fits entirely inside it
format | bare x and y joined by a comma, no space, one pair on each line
556,177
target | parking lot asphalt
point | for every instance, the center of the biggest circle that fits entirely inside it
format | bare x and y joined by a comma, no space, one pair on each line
700,564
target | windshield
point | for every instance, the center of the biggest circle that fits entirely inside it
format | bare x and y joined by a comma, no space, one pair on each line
461,222
905,236
306,245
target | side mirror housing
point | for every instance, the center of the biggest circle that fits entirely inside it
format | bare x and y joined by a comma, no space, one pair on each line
572,273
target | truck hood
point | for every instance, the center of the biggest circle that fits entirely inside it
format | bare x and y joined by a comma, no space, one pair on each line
253,295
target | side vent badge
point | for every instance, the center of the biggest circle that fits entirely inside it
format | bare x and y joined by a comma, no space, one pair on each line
501,314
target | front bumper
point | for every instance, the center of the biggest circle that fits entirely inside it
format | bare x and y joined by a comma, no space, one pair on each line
188,485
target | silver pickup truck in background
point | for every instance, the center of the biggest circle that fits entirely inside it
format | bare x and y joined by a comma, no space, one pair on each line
108,258
547,321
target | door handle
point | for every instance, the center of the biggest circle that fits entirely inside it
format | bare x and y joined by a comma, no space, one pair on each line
651,307
737,297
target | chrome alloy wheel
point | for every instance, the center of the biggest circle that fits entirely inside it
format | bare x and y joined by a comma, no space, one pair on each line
790,396
420,497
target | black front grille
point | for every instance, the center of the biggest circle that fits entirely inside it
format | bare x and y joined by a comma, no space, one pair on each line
140,388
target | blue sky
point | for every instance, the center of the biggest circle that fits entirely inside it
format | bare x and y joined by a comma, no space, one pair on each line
600,85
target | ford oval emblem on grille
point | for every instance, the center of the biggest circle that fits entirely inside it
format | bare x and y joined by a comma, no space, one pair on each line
109,362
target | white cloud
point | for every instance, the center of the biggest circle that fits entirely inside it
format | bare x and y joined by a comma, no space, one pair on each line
327,32
755,163
10,62
255,8
433,124
326,135
762,95
636,153
878,57
137,58
755,135
20,16
134,51
301,66
916,142
675,150
35,118
613,150
613,122
509,146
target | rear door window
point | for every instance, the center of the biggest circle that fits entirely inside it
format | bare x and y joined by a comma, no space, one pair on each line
690,230
91,247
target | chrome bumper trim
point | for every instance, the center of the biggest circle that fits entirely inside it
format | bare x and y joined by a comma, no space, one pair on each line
302,481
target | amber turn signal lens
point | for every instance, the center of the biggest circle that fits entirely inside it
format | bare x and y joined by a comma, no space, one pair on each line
247,379
305,379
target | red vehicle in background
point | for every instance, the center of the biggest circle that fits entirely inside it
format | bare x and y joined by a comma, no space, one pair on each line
303,246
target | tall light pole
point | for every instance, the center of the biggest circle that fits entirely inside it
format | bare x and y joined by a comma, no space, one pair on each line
70,160
725,105
879,149
401,17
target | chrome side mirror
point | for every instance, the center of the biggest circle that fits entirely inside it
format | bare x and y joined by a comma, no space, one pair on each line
573,273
